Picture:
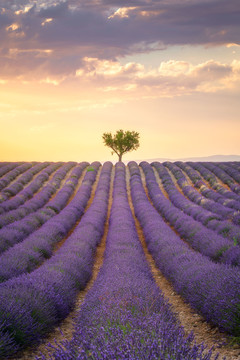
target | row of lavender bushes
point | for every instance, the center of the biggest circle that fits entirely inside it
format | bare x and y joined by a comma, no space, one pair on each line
204,240
222,175
38,214
196,170
233,170
28,191
215,221
207,174
22,181
32,251
234,164
13,174
39,200
31,304
206,210
124,315
211,288
226,198
7,166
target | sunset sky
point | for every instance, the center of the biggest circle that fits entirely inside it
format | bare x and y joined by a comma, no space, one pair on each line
72,70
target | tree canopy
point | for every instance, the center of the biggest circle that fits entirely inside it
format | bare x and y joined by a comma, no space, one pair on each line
122,142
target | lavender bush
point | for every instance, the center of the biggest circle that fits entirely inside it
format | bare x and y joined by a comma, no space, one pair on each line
124,315
11,175
198,236
21,181
221,174
6,167
27,192
31,252
39,200
212,289
219,194
16,232
31,304
224,227
210,204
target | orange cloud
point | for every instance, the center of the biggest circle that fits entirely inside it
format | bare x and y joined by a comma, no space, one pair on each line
122,12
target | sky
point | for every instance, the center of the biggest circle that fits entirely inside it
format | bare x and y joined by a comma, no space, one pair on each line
73,70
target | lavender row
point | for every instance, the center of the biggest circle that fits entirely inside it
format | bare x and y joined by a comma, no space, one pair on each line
30,305
39,200
194,196
212,289
13,174
124,315
206,209
229,201
223,176
31,252
6,167
16,232
234,164
205,202
223,170
211,220
28,192
220,194
206,241
208,171
234,173
21,181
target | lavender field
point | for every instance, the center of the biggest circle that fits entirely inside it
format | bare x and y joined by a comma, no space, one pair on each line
53,218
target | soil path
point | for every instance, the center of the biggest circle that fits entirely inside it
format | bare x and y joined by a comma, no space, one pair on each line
189,319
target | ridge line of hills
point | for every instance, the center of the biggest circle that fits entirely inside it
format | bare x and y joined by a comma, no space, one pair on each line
213,158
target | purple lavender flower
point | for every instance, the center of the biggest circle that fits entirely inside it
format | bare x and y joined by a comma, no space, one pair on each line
31,304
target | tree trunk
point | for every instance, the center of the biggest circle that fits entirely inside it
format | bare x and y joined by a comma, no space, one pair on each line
120,157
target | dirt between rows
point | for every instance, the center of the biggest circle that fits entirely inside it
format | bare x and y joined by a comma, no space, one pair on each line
189,319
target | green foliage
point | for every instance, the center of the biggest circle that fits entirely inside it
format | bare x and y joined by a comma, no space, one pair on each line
122,142
90,168
235,242
225,231
235,340
220,252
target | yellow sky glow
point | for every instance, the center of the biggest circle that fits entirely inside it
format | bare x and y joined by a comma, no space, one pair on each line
71,71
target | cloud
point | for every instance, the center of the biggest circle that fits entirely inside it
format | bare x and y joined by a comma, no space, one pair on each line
56,10
47,20
93,67
171,78
104,29
121,12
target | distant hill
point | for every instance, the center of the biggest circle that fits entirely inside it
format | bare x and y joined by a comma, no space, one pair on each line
215,158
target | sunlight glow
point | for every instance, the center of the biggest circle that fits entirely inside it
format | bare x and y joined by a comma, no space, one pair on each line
122,12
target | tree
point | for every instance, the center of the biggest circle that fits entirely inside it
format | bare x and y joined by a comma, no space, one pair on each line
122,142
